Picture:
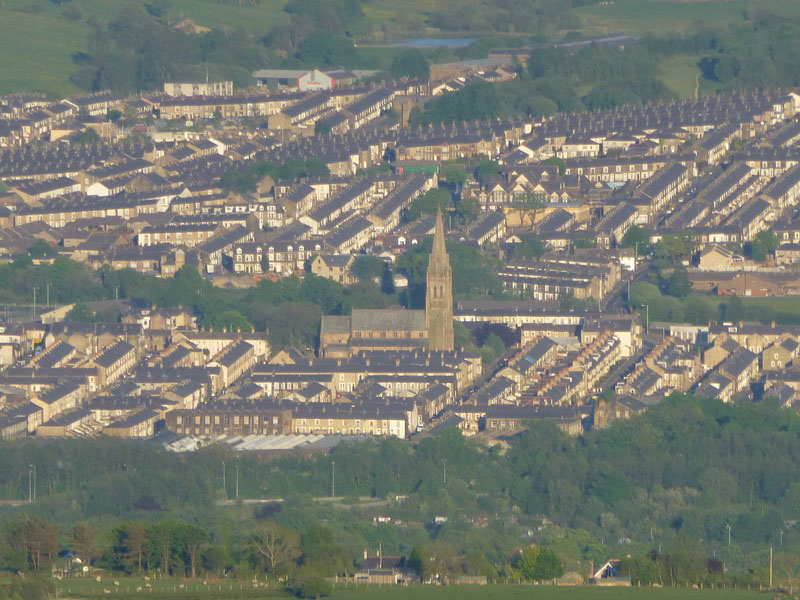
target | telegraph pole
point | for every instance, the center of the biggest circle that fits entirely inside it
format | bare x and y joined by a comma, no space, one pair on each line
224,486
333,479
237,482
770,567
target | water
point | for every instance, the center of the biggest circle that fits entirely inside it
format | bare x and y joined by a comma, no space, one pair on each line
432,43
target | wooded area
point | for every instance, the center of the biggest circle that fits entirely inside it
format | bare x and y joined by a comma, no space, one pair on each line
688,484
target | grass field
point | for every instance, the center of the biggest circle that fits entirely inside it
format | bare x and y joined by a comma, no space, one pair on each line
37,48
520,592
680,74
637,17
168,589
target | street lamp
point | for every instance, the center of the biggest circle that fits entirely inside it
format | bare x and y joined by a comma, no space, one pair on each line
31,483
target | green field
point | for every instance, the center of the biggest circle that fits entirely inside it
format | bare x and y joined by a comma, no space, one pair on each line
171,588
680,74
38,48
638,17
514,592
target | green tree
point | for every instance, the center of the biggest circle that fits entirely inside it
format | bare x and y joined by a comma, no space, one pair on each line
311,585
415,118
548,566
387,280
529,247
35,539
275,546
41,249
81,312
326,49
323,551
367,267
453,174
410,64
427,203
322,127
84,541
763,244
485,168
636,237
678,283
193,539
557,162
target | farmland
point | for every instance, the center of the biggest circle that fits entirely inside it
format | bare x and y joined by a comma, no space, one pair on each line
168,589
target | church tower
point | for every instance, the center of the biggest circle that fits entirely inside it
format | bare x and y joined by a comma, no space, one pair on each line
439,294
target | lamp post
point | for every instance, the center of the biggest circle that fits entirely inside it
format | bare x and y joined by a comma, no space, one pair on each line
48,294
34,301
333,479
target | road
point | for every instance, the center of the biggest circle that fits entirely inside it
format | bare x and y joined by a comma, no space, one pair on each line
363,501
616,301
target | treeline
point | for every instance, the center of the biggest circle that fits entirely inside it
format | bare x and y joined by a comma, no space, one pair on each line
689,481
288,309
760,53
548,83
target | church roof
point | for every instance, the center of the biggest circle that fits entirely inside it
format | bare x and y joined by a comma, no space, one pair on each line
335,324
388,319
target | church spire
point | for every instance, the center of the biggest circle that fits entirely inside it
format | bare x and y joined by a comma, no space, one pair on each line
439,292
439,250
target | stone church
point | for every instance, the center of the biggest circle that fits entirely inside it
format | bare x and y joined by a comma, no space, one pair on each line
397,328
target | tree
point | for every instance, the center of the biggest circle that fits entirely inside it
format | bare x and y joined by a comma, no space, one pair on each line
34,538
485,168
193,538
322,127
678,284
325,49
789,567
763,244
527,205
427,203
454,174
411,64
638,238
41,249
323,551
311,585
84,541
274,544
556,162
529,247
162,538
387,280
81,312
547,566
670,250
468,208
367,267
136,539
415,118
